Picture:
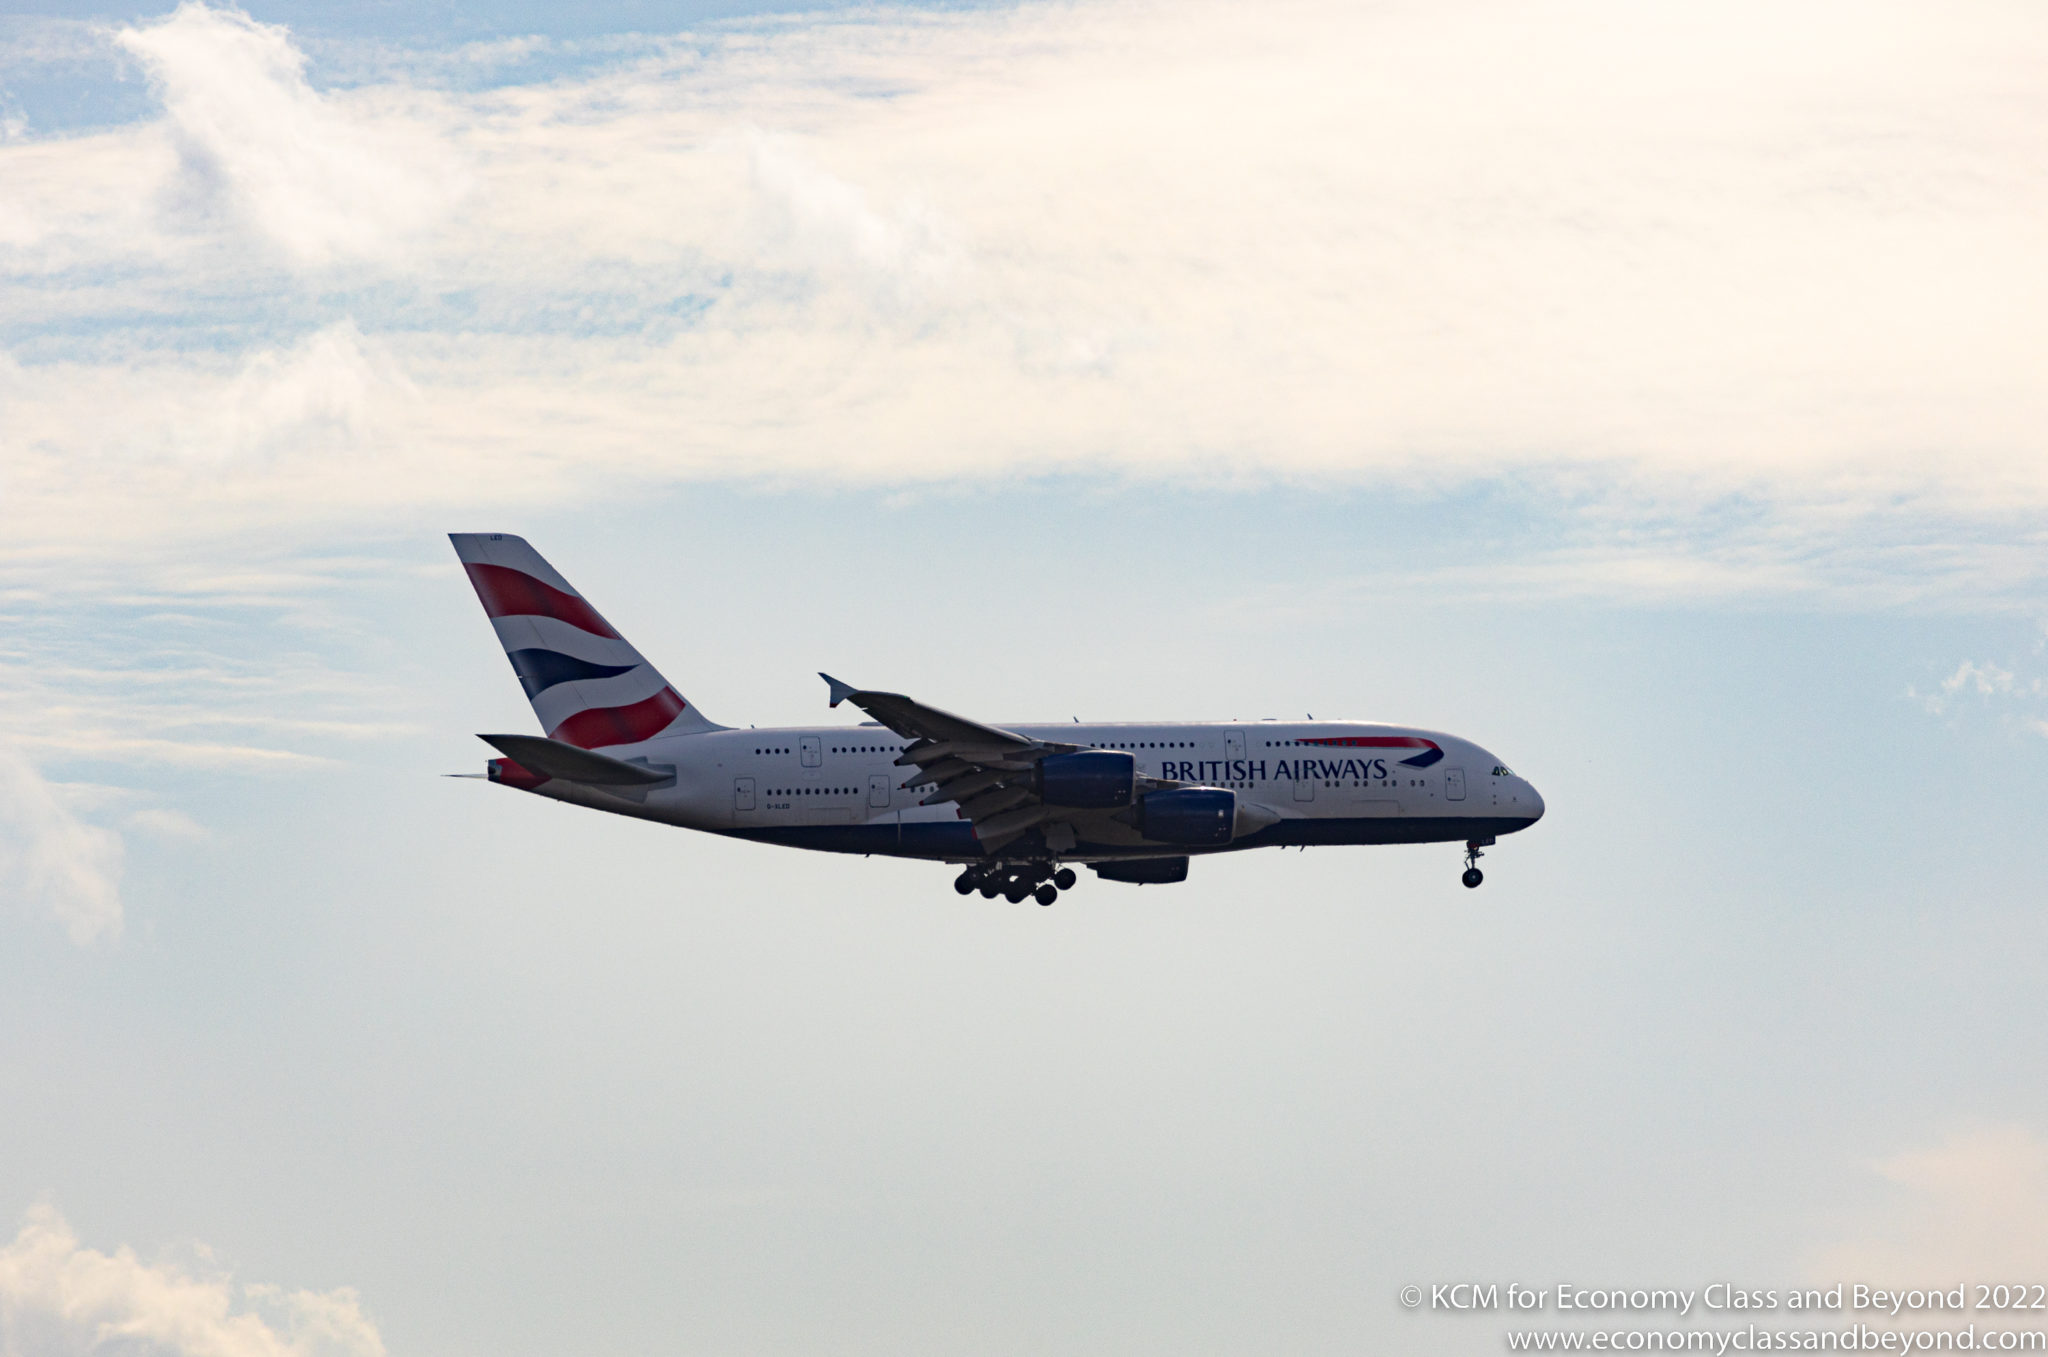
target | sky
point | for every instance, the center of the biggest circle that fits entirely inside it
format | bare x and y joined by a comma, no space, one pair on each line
1650,394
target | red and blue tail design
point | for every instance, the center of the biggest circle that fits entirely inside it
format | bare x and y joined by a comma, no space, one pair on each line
587,685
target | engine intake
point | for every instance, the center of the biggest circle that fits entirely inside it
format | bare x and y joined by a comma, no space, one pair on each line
1094,779
1196,816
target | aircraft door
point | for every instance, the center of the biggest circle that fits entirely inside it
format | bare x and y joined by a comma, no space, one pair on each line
1233,744
743,793
1304,786
878,791
1454,784
811,748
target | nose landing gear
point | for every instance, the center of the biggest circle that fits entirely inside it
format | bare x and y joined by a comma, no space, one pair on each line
1473,876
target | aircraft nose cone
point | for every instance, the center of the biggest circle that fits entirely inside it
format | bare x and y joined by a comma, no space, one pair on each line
1536,811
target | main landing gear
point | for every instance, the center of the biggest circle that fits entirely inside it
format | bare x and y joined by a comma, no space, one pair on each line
1016,881
1473,876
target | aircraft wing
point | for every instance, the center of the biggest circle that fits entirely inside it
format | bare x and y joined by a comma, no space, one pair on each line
988,772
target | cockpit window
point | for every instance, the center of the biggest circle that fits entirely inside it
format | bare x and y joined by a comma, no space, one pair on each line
1503,771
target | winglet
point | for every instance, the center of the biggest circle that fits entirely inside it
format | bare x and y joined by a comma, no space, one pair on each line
840,691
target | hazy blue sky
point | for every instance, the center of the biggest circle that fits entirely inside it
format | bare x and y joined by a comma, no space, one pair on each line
1651,397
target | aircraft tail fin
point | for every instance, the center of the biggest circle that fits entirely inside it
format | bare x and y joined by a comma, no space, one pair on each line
587,684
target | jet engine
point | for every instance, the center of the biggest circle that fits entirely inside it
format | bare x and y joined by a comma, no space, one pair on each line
1200,817
1093,779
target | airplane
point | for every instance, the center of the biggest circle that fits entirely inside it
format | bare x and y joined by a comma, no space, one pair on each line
1014,806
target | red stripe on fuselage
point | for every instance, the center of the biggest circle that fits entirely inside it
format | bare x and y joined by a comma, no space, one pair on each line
631,724
1374,742
514,593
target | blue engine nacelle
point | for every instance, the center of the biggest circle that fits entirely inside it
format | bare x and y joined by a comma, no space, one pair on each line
1094,779
1197,816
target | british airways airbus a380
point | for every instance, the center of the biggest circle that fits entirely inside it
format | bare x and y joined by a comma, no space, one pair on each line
1012,804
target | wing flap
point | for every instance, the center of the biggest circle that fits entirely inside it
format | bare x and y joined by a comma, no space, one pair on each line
994,801
965,785
1011,823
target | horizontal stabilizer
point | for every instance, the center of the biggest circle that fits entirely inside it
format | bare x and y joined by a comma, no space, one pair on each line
552,758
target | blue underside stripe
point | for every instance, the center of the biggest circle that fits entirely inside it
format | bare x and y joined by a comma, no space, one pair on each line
942,839
540,670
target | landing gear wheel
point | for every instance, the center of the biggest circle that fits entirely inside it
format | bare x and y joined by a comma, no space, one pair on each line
1473,876
964,883
1064,878
1046,894
990,890
1017,892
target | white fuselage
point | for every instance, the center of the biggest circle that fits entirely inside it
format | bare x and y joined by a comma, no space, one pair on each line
840,788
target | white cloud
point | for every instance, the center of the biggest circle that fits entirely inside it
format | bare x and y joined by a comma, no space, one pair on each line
327,394
53,862
322,178
161,822
321,393
1785,253
1986,679
1972,1208
825,227
1985,682
1798,555
214,675
59,1298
